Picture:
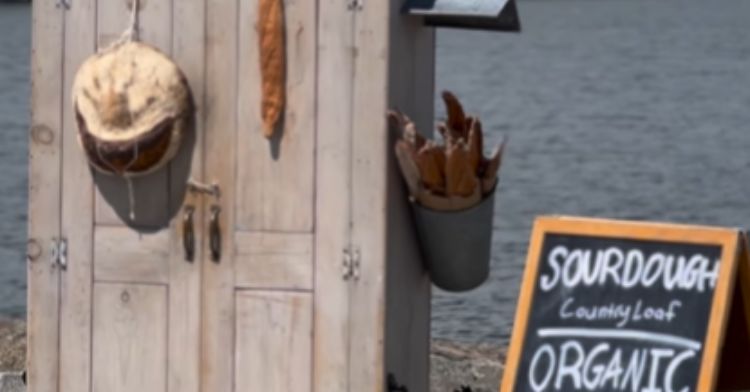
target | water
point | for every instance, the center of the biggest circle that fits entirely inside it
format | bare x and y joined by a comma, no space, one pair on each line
634,109
14,120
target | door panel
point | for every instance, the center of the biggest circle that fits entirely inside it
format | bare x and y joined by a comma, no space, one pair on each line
44,197
274,342
122,254
77,212
131,301
333,201
276,177
259,339
274,261
130,338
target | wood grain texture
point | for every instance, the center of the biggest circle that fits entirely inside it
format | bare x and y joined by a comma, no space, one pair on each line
185,289
369,150
408,287
151,191
77,213
273,350
130,338
332,207
277,175
217,367
124,255
44,196
274,260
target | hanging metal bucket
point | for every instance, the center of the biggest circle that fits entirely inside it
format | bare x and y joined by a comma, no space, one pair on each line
456,245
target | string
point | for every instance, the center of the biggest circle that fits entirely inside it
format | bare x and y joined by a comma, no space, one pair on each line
131,197
131,33
123,172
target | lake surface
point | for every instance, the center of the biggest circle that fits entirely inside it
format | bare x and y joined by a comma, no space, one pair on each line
634,109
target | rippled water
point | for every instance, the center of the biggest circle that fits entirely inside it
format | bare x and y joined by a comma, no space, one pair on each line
632,109
14,119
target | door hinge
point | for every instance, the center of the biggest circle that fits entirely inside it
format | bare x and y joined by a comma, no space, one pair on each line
59,253
351,264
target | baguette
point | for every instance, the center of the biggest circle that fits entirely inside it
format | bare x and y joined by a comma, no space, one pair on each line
272,63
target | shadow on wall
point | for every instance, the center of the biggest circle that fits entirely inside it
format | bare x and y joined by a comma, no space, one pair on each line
157,197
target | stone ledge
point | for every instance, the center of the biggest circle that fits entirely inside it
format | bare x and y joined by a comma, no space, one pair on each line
12,382
453,364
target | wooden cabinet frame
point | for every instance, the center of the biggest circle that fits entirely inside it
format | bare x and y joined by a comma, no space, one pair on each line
293,210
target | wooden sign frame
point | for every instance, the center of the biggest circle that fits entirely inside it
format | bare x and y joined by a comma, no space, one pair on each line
734,253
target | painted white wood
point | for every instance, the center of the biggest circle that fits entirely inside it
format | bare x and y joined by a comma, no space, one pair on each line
130,338
217,367
274,347
332,207
77,213
276,176
124,255
370,150
185,291
44,197
274,260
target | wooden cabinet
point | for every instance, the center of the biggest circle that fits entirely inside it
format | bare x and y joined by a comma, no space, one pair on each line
318,285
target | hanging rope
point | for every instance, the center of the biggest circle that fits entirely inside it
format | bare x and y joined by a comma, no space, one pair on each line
129,35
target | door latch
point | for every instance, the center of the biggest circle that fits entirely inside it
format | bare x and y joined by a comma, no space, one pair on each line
59,253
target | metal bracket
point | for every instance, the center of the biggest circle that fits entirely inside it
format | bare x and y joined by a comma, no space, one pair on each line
199,187
59,253
351,264
66,4
355,5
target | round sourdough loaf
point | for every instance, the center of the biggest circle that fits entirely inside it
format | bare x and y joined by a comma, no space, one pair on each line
132,106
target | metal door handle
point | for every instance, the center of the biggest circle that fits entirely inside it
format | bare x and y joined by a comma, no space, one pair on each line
188,233
215,234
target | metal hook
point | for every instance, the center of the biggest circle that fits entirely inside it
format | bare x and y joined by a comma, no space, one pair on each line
66,4
355,5
199,187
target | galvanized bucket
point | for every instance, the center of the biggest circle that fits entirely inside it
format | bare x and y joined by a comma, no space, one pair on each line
456,245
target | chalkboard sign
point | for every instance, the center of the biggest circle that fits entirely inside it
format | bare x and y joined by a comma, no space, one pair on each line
500,15
623,306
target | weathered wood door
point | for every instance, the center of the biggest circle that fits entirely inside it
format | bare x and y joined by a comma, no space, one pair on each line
258,293
120,309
